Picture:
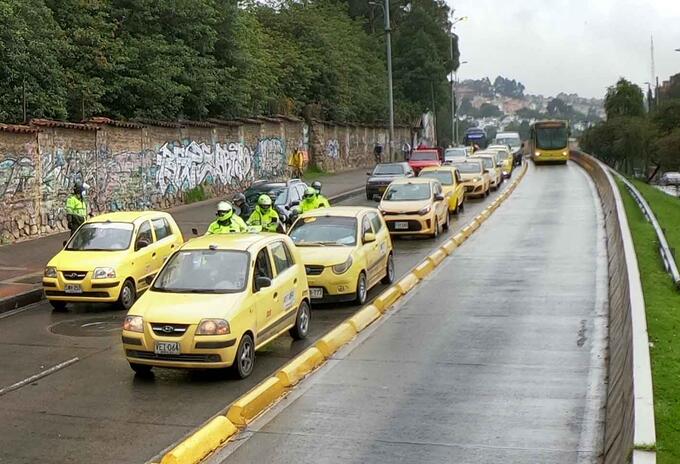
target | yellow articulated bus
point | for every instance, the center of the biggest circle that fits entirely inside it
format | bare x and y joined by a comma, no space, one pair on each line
549,141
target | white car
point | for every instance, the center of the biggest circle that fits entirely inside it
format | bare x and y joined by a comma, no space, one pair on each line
491,164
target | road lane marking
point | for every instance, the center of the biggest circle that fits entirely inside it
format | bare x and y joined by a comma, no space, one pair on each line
38,376
19,310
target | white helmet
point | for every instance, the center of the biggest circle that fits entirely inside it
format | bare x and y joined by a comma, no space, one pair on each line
224,207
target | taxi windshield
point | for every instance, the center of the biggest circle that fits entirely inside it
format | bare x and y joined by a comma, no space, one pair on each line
469,168
325,230
444,177
204,271
102,236
407,192
488,162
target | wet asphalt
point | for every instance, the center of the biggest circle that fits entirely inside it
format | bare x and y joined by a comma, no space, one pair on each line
497,358
92,408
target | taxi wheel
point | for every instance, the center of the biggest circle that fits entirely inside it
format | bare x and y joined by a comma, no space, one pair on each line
488,192
58,306
245,357
141,369
447,222
435,234
461,207
362,289
301,328
127,296
389,272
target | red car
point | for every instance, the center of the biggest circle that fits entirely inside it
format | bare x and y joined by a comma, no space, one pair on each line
424,157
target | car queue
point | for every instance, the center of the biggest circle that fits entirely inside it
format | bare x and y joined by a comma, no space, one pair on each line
212,301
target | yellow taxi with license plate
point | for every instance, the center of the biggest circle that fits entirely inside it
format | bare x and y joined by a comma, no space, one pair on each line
475,178
505,157
452,184
111,258
217,300
346,250
490,161
415,207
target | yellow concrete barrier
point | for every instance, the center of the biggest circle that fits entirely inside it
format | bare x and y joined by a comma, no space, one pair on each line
329,343
300,366
437,256
247,407
407,283
467,231
387,298
459,238
200,444
449,246
423,269
364,317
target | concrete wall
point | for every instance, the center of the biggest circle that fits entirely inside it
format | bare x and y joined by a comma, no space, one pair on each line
335,148
620,418
153,164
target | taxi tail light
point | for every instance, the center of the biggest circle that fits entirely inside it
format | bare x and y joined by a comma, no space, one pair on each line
213,327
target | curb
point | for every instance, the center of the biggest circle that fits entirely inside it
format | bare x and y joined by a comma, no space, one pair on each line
258,400
36,294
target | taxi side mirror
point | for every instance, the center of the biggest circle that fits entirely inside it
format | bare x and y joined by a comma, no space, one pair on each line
262,282
439,197
486,171
64,243
369,237
194,231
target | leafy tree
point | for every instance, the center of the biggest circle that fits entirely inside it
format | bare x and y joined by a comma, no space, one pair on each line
491,132
488,110
624,99
31,43
508,88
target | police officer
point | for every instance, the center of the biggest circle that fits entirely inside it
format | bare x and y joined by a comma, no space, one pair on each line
76,208
323,201
227,221
310,201
264,215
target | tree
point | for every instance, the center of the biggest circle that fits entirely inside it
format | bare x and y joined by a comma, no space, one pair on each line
624,99
491,132
488,110
31,44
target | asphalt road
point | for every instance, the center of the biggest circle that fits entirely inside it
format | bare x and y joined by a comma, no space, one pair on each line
91,408
497,358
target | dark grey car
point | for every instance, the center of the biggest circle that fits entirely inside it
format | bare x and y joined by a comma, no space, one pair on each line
382,175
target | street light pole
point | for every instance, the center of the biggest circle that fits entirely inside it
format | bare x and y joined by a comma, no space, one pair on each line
454,118
388,39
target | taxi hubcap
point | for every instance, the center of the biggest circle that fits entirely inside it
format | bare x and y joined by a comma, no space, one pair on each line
362,287
304,319
246,357
127,296
390,267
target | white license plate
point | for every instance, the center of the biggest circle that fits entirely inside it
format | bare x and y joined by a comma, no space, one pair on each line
316,293
401,225
72,288
166,348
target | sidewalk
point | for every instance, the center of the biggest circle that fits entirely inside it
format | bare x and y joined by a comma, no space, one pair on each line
22,264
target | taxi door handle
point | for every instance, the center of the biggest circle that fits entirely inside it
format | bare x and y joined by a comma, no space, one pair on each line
295,281
172,246
276,295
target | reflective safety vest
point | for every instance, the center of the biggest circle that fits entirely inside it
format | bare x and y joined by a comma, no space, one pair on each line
269,220
76,206
309,204
231,225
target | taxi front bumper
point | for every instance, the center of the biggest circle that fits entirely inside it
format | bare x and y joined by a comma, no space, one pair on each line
85,290
194,351
473,188
410,224
325,286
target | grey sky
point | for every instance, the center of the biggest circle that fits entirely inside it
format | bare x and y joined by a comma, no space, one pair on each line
580,46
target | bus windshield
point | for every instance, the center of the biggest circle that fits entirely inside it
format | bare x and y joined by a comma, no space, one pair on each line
551,138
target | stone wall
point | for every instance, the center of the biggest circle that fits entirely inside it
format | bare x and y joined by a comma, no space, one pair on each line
153,164
336,147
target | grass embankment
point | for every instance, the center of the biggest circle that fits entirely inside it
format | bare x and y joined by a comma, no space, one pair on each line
662,301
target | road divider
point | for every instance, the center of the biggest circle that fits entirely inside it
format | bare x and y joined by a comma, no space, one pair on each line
258,400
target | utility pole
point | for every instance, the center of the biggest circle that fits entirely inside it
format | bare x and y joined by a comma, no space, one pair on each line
388,39
454,139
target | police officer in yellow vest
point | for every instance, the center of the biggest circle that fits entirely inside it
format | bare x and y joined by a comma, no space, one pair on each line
76,208
264,215
312,201
227,222
323,201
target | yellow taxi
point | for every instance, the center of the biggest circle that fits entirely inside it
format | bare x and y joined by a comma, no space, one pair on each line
346,250
504,156
111,258
452,184
217,300
475,178
415,207
491,164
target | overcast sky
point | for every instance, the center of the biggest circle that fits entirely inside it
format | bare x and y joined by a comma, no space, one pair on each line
580,46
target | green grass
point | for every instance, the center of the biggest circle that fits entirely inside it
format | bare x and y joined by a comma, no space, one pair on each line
195,194
314,173
662,301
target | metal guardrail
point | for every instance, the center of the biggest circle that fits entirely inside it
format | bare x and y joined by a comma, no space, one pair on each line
665,251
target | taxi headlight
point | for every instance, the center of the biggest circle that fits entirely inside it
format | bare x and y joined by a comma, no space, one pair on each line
51,272
133,324
424,211
213,327
104,273
343,267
